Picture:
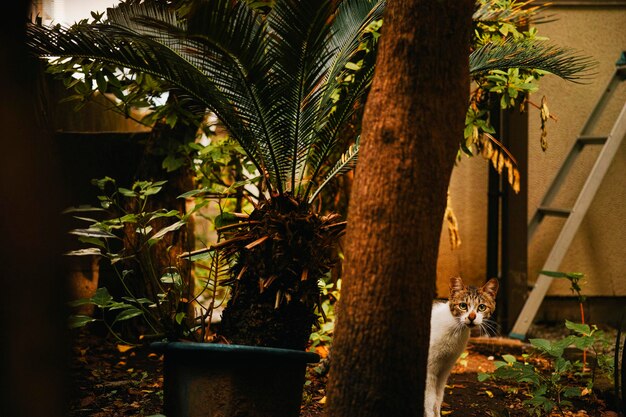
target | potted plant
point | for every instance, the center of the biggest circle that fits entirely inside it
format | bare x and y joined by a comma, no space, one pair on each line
284,81
273,80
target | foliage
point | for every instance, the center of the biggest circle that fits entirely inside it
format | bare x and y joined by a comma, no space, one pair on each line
503,33
619,369
129,237
284,78
272,85
575,279
566,378
322,338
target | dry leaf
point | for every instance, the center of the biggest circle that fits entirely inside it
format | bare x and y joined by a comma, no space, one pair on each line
124,348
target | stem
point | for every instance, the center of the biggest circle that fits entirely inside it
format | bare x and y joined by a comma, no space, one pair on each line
582,318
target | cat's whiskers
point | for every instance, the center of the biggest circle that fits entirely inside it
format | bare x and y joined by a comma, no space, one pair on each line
489,327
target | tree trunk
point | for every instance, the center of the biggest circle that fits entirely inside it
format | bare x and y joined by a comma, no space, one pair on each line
412,125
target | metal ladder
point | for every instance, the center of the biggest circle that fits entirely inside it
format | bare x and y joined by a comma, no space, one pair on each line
610,144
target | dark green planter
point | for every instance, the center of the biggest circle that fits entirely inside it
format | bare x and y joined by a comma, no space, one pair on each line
213,380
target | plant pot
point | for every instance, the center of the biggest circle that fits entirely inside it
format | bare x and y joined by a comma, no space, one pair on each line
213,380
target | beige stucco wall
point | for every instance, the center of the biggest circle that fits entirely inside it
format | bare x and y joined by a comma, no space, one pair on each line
599,248
468,193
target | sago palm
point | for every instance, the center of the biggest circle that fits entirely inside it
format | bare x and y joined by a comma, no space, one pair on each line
272,80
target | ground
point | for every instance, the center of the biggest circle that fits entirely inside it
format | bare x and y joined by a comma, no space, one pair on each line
111,380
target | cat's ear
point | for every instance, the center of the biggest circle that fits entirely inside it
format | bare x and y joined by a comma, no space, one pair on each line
456,285
491,287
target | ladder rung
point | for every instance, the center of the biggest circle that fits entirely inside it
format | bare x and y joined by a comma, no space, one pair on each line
592,140
554,211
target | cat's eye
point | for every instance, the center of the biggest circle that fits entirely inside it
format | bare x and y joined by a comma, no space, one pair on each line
482,307
463,306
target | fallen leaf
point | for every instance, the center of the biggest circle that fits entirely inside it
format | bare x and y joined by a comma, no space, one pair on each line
124,348
446,413
489,393
87,401
323,400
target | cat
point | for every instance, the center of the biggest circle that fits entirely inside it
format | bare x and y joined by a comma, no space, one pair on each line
450,324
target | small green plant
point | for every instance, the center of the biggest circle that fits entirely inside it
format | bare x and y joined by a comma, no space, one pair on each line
130,236
553,387
321,339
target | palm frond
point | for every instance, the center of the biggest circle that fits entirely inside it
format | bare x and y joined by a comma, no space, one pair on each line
352,19
129,49
329,131
516,11
300,33
230,43
346,163
539,55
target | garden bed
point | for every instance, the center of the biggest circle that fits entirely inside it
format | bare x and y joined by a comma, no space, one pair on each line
110,381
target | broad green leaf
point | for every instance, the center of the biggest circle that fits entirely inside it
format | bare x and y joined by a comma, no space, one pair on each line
482,376
127,193
171,213
102,298
509,358
579,328
171,228
128,314
80,302
76,321
541,344
92,241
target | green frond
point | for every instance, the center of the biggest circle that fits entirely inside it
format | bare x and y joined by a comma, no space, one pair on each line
346,163
299,40
515,11
539,55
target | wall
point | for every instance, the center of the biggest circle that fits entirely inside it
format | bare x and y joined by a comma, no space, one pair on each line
597,29
598,249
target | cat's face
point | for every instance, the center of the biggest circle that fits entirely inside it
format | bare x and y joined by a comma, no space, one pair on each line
470,305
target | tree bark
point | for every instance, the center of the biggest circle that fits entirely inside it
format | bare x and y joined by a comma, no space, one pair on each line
412,125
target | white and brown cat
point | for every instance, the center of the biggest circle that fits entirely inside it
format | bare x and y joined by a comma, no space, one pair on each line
450,325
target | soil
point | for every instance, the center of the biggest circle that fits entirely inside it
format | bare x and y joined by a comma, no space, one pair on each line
110,380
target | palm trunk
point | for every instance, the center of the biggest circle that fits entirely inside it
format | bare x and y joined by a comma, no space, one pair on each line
412,124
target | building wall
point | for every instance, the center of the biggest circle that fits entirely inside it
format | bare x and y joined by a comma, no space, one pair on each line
597,29
598,249
468,193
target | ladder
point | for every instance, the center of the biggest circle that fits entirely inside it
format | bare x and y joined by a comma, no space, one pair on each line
574,216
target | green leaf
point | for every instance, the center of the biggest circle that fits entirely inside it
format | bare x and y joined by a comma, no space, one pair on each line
172,163
84,252
172,277
129,313
180,317
102,298
570,392
482,376
171,228
127,193
509,358
579,328
80,302
171,213
92,241
541,344
76,321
